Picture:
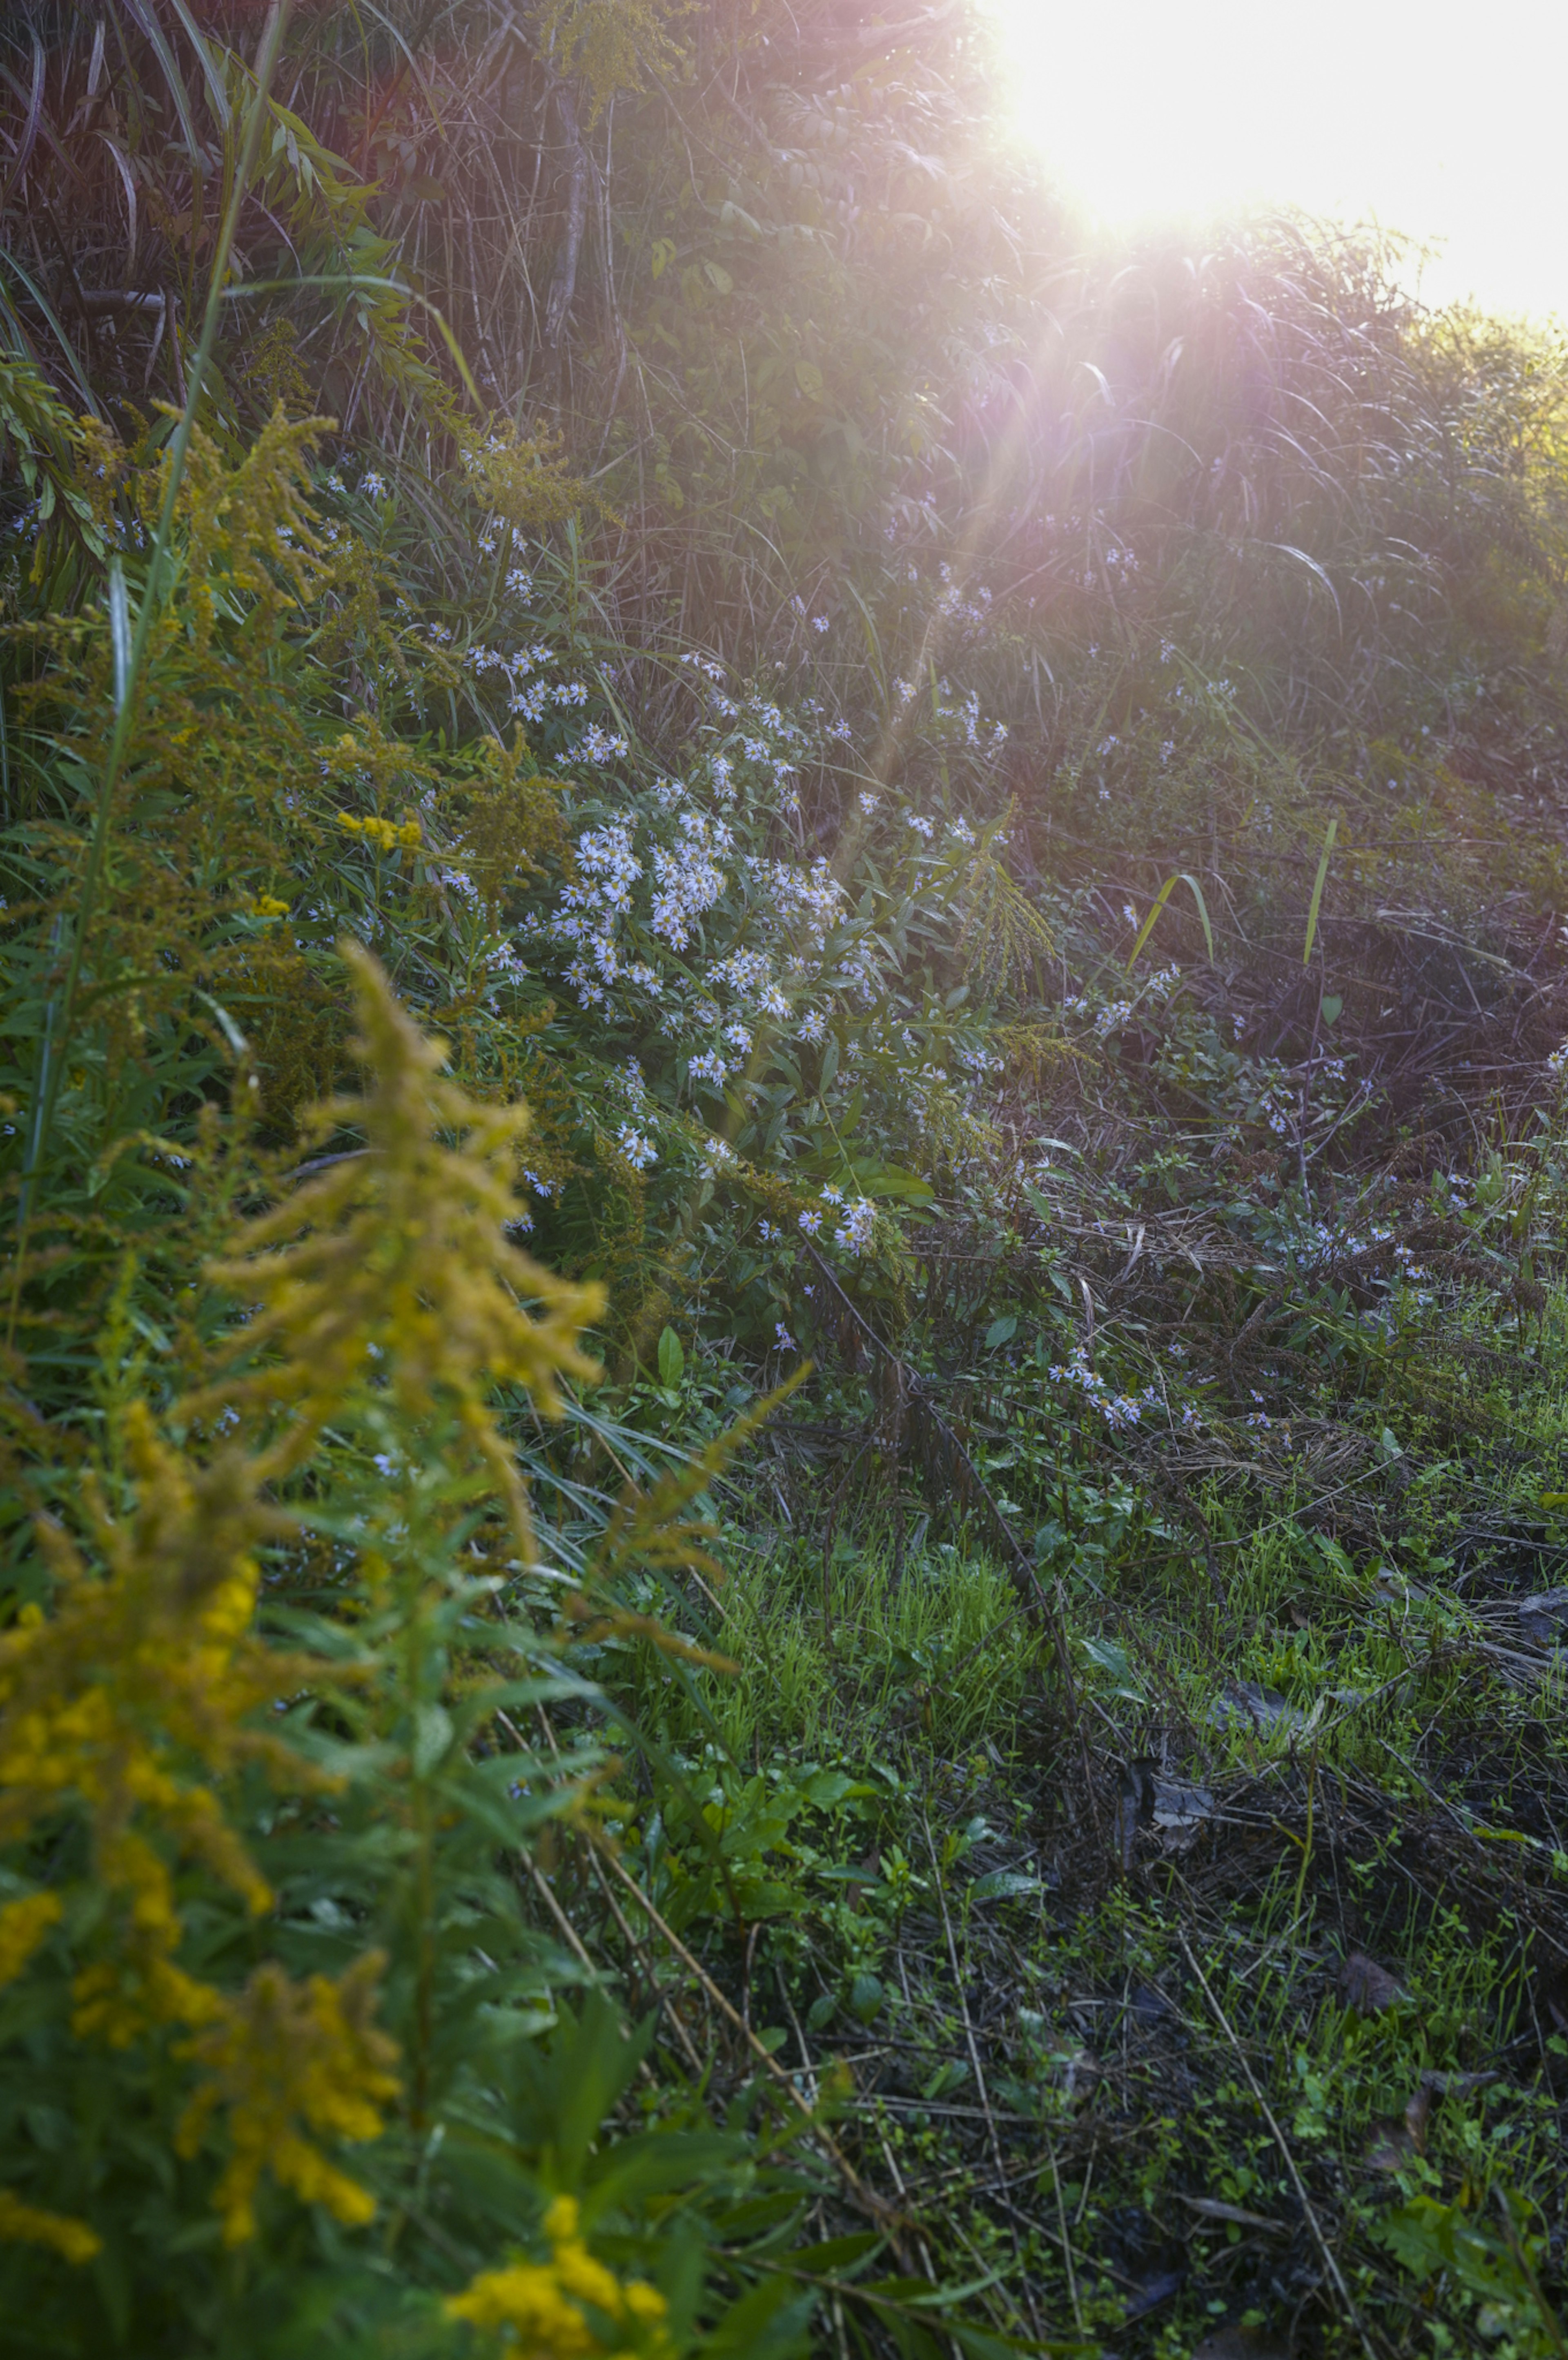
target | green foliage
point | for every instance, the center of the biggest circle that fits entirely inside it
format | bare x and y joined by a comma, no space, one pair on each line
984,795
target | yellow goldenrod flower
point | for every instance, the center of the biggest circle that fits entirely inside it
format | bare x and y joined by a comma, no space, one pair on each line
400,1258
26,2224
23,1925
539,2301
279,2054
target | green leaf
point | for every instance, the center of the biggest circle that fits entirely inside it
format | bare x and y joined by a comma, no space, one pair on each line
864,1997
1001,1331
672,1359
892,1180
1107,1657
1004,1884
1332,1008
838,2252
432,1735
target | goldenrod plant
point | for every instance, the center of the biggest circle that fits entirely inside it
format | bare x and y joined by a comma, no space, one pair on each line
782,1001
266,1804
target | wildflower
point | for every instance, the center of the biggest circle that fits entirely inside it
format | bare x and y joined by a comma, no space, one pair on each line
387,836
920,826
821,623
539,2304
769,1234
707,1066
24,1924
832,1195
282,2054
373,484
637,1147
786,1343
811,1223
404,1249
599,745
687,879
856,1226
29,2224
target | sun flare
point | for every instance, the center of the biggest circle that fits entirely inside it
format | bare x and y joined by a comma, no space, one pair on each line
1445,128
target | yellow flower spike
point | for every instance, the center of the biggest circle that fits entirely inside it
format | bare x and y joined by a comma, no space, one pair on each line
587,2279
403,1250
23,1926
284,2060
561,2221
269,906
539,2301
26,2224
143,1681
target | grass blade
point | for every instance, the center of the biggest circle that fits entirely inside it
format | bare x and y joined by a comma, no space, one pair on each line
1318,883
1182,878
1147,928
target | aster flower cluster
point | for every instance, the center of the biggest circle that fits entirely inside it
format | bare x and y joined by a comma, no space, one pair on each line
1118,1410
686,878
599,745
608,869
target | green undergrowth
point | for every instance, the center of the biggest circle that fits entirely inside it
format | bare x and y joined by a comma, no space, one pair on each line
784,1370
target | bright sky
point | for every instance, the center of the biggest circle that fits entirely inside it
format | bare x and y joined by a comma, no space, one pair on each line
1444,122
